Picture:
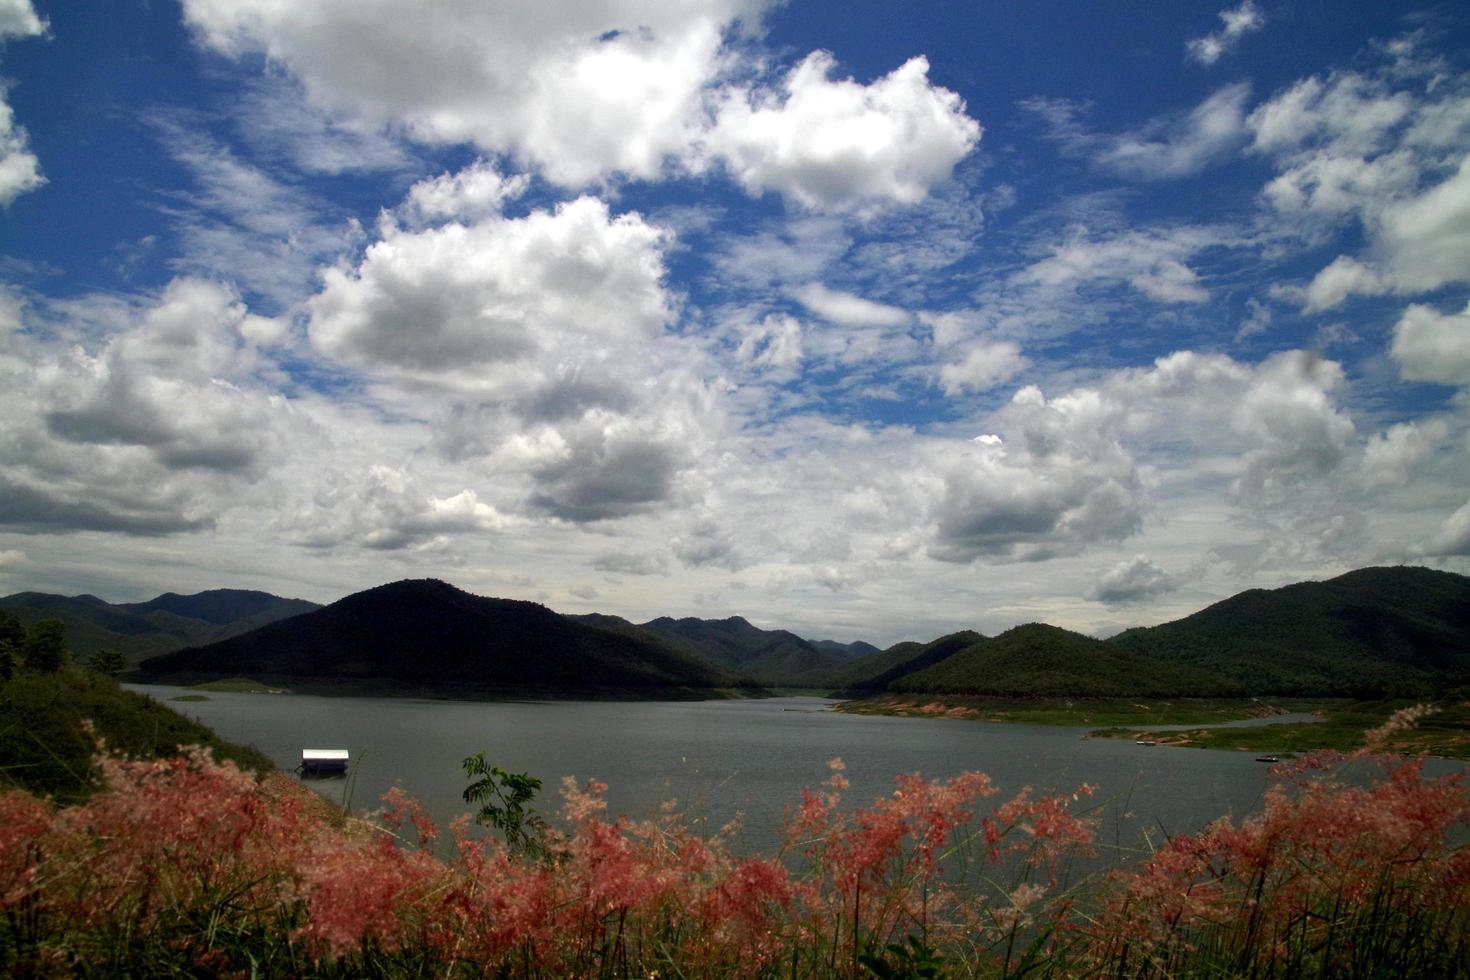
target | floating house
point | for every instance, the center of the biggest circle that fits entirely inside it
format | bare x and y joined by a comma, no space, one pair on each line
323,762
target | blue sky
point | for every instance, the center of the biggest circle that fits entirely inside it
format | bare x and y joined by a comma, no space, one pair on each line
865,320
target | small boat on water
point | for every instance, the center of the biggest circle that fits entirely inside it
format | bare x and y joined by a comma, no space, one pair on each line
1145,741
323,762
1267,758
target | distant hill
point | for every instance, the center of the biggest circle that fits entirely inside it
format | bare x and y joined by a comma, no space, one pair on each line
768,656
1036,660
877,671
139,630
852,650
1372,632
427,634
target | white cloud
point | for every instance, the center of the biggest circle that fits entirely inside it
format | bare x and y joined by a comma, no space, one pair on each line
471,194
983,366
1432,346
1180,147
1345,277
18,19
1150,263
1061,482
1426,239
841,145
543,340
577,91
20,170
1135,580
147,433
1239,21
466,305
384,509
772,346
584,92
849,310
1453,536
1390,457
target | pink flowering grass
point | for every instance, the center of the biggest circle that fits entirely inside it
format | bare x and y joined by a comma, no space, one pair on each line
188,866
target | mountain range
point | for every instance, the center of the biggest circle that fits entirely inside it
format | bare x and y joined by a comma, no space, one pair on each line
1372,632
139,630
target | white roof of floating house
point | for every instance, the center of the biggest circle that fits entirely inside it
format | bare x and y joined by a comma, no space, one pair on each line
323,755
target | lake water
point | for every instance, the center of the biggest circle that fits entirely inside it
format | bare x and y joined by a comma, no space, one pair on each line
722,757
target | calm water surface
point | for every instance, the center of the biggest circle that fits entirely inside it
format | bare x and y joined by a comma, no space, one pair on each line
722,757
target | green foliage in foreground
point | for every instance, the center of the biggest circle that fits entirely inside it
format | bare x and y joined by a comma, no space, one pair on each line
44,750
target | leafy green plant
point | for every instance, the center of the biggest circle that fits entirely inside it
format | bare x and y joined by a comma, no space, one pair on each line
504,799
913,960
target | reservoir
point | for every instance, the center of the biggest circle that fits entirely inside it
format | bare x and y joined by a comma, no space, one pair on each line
720,758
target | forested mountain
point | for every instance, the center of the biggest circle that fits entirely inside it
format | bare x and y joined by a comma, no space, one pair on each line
1401,630
1036,660
169,622
877,671
770,656
1376,631
426,634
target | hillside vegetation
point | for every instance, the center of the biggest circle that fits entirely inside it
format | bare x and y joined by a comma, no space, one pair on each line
1374,632
1047,661
45,750
427,635
139,630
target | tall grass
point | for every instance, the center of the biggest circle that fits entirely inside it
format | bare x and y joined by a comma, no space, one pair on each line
191,866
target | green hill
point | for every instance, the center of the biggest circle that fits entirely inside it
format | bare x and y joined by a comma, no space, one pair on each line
144,629
1047,661
878,671
1374,632
767,656
44,749
427,635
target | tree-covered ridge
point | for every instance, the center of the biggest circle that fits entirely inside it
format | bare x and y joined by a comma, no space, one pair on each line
144,629
1372,632
422,634
1047,661
877,671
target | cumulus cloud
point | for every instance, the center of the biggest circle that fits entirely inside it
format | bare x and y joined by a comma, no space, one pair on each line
468,303
1390,457
20,170
385,509
1238,21
1137,579
982,366
1453,536
576,91
18,19
142,432
1432,346
584,92
1384,151
1063,483
841,145
468,195
544,338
